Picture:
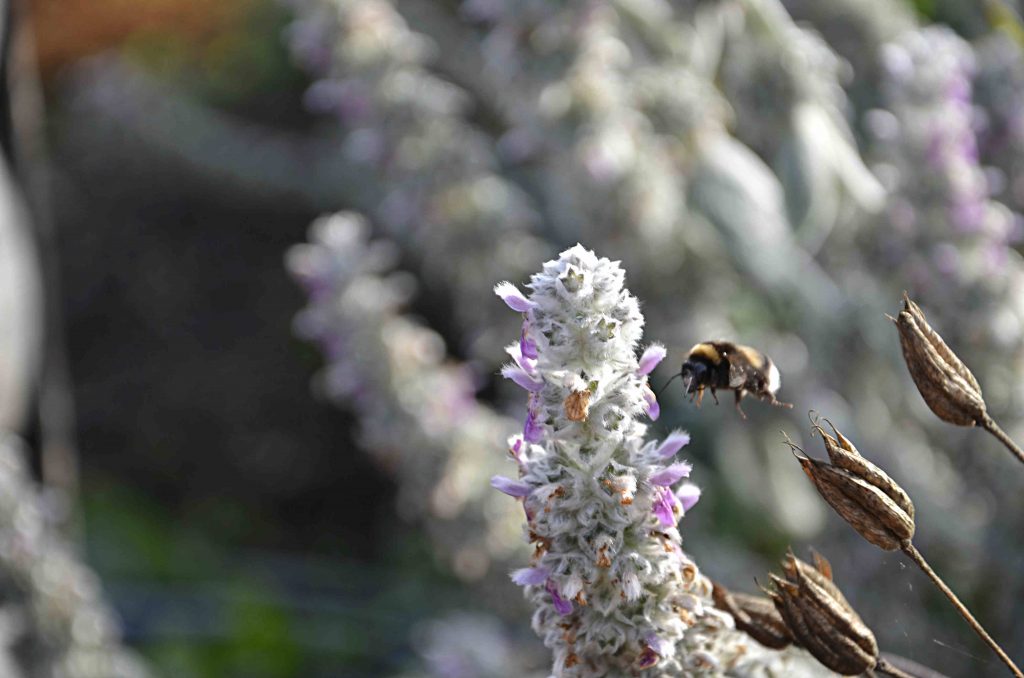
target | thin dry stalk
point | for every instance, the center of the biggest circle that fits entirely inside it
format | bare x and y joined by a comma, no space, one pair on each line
992,427
919,560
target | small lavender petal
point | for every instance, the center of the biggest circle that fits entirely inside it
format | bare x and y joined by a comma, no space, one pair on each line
527,346
662,647
688,494
530,576
654,354
511,295
562,606
528,365
675,441
653,409
521,378
666,507
533,432
670,474
513,488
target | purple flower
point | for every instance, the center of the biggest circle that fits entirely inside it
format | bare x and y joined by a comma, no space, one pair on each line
521,377
513,488
654,354
562,606
654,649
524,363
675,441
533,432
515,448
511,295
688,494
670,474
530,576
647,659
666,507
527,346
660,646
653,409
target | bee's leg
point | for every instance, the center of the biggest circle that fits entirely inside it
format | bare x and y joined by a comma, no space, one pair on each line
739,397
778,403
700,395
714,395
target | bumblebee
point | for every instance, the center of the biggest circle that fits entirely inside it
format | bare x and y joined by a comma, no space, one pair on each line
723,365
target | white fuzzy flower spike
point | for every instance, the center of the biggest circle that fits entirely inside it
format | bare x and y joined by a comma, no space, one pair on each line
614,593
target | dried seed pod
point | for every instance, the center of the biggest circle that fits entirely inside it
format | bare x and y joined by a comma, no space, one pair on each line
754,615
843,454
945,383
820,619
860,492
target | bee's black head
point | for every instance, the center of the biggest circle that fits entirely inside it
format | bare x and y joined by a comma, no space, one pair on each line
694,374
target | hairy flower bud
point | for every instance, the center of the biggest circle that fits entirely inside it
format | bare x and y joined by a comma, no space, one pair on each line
860,492
820,618
754,615
945,383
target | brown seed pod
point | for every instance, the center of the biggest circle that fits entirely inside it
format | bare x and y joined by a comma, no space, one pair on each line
754,615
843,454
945,383
820,619
860,492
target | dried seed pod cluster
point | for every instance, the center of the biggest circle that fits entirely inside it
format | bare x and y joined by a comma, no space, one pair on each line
863,494
945,383
820,619
877,508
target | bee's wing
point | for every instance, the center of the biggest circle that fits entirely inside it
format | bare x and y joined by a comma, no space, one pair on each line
738,373
743,364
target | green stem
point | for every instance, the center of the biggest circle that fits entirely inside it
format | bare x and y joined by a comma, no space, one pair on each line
919,560
992,427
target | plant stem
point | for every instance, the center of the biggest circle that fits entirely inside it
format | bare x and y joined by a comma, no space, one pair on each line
989,424
888,669
919,560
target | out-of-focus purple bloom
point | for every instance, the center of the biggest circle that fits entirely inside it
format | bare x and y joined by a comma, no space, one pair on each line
522,378
653,408
530,576
533,432
675,441
671,474
513,488
511,295
654,354
666,506
562,606
688,495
